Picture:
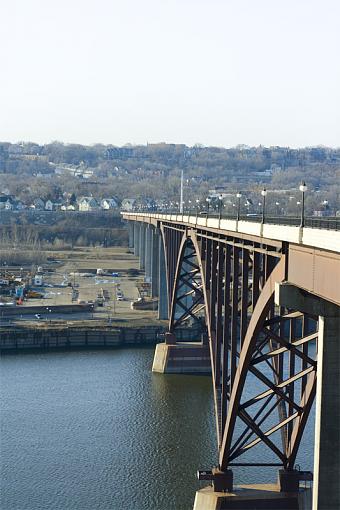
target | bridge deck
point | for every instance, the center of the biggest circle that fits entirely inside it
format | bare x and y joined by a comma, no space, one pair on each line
322,238
316,251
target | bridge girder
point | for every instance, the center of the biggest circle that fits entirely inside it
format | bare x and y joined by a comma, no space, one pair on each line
229,283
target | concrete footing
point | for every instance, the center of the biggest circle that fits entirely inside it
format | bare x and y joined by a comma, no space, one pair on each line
250,497
182,358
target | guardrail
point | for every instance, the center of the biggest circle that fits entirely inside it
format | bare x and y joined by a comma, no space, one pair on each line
329,223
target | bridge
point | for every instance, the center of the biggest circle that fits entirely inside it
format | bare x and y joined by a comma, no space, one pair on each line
265,299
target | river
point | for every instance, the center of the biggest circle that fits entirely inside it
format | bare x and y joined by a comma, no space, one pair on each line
98,430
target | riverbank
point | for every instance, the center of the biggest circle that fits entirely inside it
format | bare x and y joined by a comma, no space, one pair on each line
87,335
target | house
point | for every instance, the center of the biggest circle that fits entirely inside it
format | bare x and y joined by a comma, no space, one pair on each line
9,205
109,203
49,206
88,204
38,204
7,202
128,204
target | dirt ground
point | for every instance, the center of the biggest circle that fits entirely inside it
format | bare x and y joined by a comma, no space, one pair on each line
57,275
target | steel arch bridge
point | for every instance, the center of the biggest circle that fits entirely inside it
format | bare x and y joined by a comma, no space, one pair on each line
259,297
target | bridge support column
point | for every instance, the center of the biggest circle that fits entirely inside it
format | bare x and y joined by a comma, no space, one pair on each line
142,246
163,310
131,230
136,248
155,264
248,497
148,252
326,487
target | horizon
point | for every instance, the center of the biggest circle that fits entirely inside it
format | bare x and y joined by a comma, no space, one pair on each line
198,145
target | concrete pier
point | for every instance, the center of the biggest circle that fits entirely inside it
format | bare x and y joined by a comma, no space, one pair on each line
136,239
163,306
155,264
142,246
182,358
251,497
327,420
148,252
131,235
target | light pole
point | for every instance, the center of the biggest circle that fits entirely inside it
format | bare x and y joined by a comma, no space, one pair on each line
264,194
303,189
220,198
208,200
277,208
197,206
238,196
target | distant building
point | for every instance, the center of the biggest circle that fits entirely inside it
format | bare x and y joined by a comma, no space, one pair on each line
128,204
7,202
109,203
38,204
49,206
86,204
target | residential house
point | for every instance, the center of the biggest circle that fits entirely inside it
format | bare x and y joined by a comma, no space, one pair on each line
38,204
128,204
7,202
109,203
88,204
49,206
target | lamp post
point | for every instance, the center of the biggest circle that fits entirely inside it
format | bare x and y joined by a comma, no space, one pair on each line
208,200
220,198
277,208
264,194
238,196
303,189
197,206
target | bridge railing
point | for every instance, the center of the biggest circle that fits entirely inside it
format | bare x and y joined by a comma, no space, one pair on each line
329,223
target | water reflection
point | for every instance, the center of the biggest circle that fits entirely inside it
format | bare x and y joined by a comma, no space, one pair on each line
98,430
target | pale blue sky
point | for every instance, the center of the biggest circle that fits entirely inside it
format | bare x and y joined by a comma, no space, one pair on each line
217,72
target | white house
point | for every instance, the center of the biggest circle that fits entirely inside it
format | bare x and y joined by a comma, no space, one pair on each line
88,204
109,203
128,204
49,205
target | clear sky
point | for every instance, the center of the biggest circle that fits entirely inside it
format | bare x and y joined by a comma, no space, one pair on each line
216,72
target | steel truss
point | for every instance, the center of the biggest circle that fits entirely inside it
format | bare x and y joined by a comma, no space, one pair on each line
230,281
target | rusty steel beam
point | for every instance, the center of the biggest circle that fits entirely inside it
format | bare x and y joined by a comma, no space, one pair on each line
227,280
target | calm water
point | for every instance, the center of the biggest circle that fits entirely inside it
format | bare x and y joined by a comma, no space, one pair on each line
98,430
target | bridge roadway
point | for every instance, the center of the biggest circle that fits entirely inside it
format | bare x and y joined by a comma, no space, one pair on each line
266,300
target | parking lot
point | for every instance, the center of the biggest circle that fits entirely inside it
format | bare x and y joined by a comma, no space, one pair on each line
76,270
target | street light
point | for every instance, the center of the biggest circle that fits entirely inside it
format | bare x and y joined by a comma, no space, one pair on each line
264,194
238,196
303,189
197,206
208,200
220,198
